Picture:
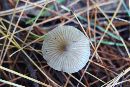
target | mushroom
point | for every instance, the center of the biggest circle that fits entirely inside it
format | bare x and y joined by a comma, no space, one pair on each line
66,49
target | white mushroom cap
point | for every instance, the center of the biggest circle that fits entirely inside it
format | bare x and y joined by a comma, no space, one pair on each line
66,49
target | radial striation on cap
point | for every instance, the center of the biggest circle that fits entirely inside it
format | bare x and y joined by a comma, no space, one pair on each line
66,49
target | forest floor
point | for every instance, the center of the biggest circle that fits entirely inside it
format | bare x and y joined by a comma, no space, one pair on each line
23,24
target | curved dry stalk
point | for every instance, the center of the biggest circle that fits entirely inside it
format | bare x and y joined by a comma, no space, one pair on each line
19,9
24,76
11,83
114,82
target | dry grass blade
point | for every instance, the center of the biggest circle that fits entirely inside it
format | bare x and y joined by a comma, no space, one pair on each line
116,81
10,83
24,76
